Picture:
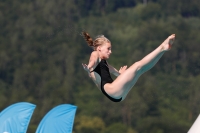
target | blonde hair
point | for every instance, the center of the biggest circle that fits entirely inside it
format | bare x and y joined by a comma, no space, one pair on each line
99,40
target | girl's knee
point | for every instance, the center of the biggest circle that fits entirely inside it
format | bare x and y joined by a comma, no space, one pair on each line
137,66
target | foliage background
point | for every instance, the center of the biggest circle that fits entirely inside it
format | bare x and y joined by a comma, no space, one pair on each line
41,52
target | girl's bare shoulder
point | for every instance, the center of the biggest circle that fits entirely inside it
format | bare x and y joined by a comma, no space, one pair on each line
94,54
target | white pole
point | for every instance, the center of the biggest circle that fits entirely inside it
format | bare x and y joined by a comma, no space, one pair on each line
196,126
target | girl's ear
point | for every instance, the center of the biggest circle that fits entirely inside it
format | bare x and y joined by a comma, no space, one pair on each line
99,48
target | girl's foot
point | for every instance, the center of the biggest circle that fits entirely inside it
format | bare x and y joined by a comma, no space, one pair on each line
167,44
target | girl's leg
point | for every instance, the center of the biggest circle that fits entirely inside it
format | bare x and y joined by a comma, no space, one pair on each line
124,82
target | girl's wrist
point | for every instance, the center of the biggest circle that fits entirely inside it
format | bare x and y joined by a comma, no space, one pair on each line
89,68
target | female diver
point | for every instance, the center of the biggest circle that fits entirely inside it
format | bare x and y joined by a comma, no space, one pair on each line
99,70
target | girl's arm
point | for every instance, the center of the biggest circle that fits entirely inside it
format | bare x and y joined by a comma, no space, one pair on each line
93,60
115,71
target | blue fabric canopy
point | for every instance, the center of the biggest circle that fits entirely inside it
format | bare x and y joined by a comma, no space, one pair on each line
58,120
16,117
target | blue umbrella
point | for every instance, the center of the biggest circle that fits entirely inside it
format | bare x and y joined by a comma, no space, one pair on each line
58,120
16,117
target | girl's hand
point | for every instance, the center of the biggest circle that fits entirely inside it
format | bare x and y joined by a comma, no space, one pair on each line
85,67
122,69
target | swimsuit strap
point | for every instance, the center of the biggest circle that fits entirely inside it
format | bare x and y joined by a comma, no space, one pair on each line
99,60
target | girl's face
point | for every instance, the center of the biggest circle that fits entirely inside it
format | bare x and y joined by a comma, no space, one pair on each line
105,50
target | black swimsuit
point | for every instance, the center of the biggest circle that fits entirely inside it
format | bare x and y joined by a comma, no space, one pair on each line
103,70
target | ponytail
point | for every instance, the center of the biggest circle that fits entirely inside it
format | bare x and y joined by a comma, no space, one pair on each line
99,40
88,39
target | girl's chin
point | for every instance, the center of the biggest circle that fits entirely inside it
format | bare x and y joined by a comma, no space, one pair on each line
107,57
